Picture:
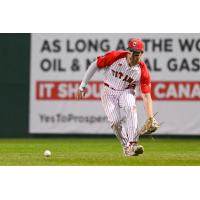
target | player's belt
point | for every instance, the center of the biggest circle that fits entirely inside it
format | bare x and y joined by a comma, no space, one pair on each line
128,87
107,85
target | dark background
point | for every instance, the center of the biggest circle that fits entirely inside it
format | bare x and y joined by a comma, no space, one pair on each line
14,84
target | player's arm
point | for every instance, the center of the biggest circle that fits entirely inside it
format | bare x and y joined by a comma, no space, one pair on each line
147,100
145,86
88,75
150,125
100,63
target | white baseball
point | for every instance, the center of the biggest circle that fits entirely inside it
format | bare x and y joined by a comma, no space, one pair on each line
47,153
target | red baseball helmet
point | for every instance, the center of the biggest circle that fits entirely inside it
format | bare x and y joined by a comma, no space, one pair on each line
136,45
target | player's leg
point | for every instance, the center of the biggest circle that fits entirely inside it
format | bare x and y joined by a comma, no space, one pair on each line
127,102
112,110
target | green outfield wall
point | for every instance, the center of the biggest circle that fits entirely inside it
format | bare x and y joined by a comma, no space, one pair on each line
14,72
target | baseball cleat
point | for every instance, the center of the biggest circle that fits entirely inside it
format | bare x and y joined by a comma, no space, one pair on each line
133,150
137,149
128,151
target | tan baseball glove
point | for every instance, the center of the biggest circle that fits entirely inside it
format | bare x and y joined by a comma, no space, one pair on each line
150,126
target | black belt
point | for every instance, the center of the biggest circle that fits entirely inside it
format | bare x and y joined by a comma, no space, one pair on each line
107,85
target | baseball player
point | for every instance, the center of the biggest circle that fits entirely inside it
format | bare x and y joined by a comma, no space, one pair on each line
125,72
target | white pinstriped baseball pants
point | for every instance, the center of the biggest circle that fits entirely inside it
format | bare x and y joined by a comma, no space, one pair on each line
113,101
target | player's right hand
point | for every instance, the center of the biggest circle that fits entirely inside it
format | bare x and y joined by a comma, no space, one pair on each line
81,93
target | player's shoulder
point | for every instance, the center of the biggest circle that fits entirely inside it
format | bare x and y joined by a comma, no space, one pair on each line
118,53
143,65
110,57
144,70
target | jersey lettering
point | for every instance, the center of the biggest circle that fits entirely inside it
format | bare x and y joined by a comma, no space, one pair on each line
120,75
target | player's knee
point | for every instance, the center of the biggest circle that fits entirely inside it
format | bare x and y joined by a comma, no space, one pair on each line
116,125
131,108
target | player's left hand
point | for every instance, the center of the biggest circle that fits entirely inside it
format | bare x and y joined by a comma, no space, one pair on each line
150,126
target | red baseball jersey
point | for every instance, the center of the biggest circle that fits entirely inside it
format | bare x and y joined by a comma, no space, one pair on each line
120,76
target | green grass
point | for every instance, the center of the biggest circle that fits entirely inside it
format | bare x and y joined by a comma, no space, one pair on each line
98,152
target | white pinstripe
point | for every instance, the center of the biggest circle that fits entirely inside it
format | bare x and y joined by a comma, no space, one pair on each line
121,98
118,68
112,102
